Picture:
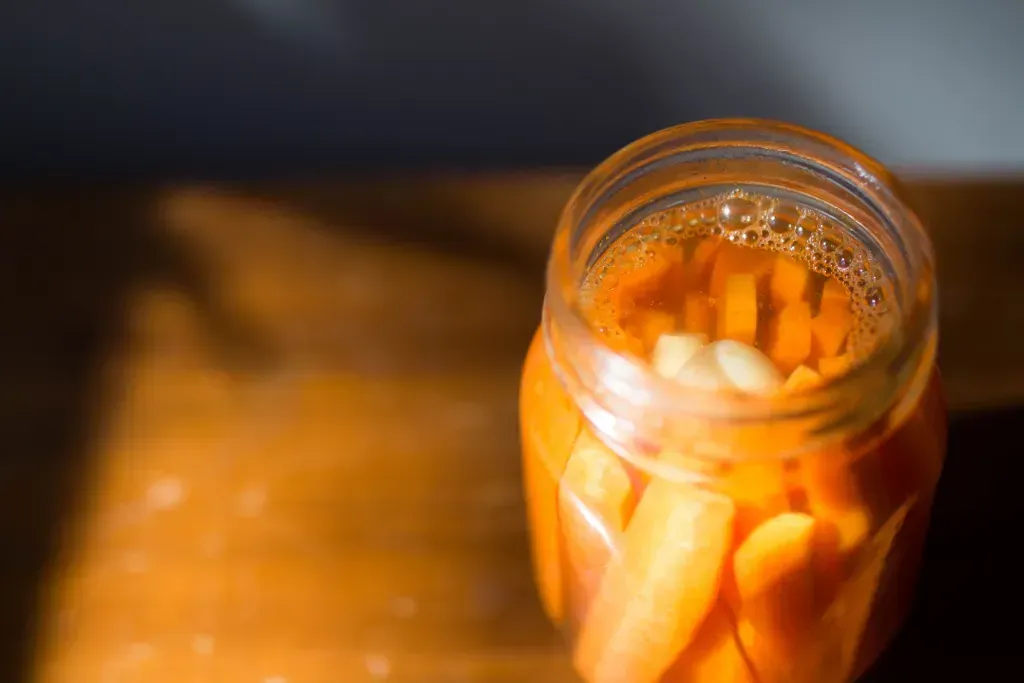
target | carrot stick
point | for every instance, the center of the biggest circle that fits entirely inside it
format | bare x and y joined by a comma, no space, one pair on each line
715,655
699,267
830,328
801,379
846,619
732,259
790,336
834,495
737,318
773,572
834,293
655,596
697,314
789,280
758,490
833,366
596,498
549,427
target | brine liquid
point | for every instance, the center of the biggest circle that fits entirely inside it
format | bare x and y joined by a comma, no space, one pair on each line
780,229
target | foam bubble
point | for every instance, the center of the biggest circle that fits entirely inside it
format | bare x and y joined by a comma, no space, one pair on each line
759,222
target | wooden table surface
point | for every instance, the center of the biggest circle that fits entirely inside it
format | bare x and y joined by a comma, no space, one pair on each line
268,434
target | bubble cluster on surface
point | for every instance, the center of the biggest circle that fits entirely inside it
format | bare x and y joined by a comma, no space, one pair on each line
763,222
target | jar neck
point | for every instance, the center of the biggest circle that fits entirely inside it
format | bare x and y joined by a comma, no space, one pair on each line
632,407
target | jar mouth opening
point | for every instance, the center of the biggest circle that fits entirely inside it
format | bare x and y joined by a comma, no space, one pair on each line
622,394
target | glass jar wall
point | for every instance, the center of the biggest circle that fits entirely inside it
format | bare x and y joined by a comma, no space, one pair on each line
732,424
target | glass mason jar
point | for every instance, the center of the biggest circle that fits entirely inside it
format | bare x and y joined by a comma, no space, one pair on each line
691,530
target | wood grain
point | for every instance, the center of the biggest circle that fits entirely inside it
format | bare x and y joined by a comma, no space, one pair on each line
268,434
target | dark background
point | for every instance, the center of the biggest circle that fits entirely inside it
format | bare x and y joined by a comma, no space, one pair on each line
959,629
265,87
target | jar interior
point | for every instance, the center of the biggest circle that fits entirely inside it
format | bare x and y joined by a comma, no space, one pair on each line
830,245
661,182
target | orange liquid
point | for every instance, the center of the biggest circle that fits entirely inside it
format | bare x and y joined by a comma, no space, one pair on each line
673,272
788,570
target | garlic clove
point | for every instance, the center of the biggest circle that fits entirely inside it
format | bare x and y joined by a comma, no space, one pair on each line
704,372
747,368
730,365
672,351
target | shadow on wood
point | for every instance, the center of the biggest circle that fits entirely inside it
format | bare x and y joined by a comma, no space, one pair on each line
68,266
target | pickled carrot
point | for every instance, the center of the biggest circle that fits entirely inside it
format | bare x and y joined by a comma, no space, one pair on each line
834,495
845,621
547,440
715,655
830,328
800,379
735,260
834,366
790,336
596,499
737,317
697,314
772,552
701,262
774,575
788,284
540,488
759,491
834,294
655,596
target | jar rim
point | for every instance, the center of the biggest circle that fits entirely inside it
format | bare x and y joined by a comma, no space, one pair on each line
617,392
